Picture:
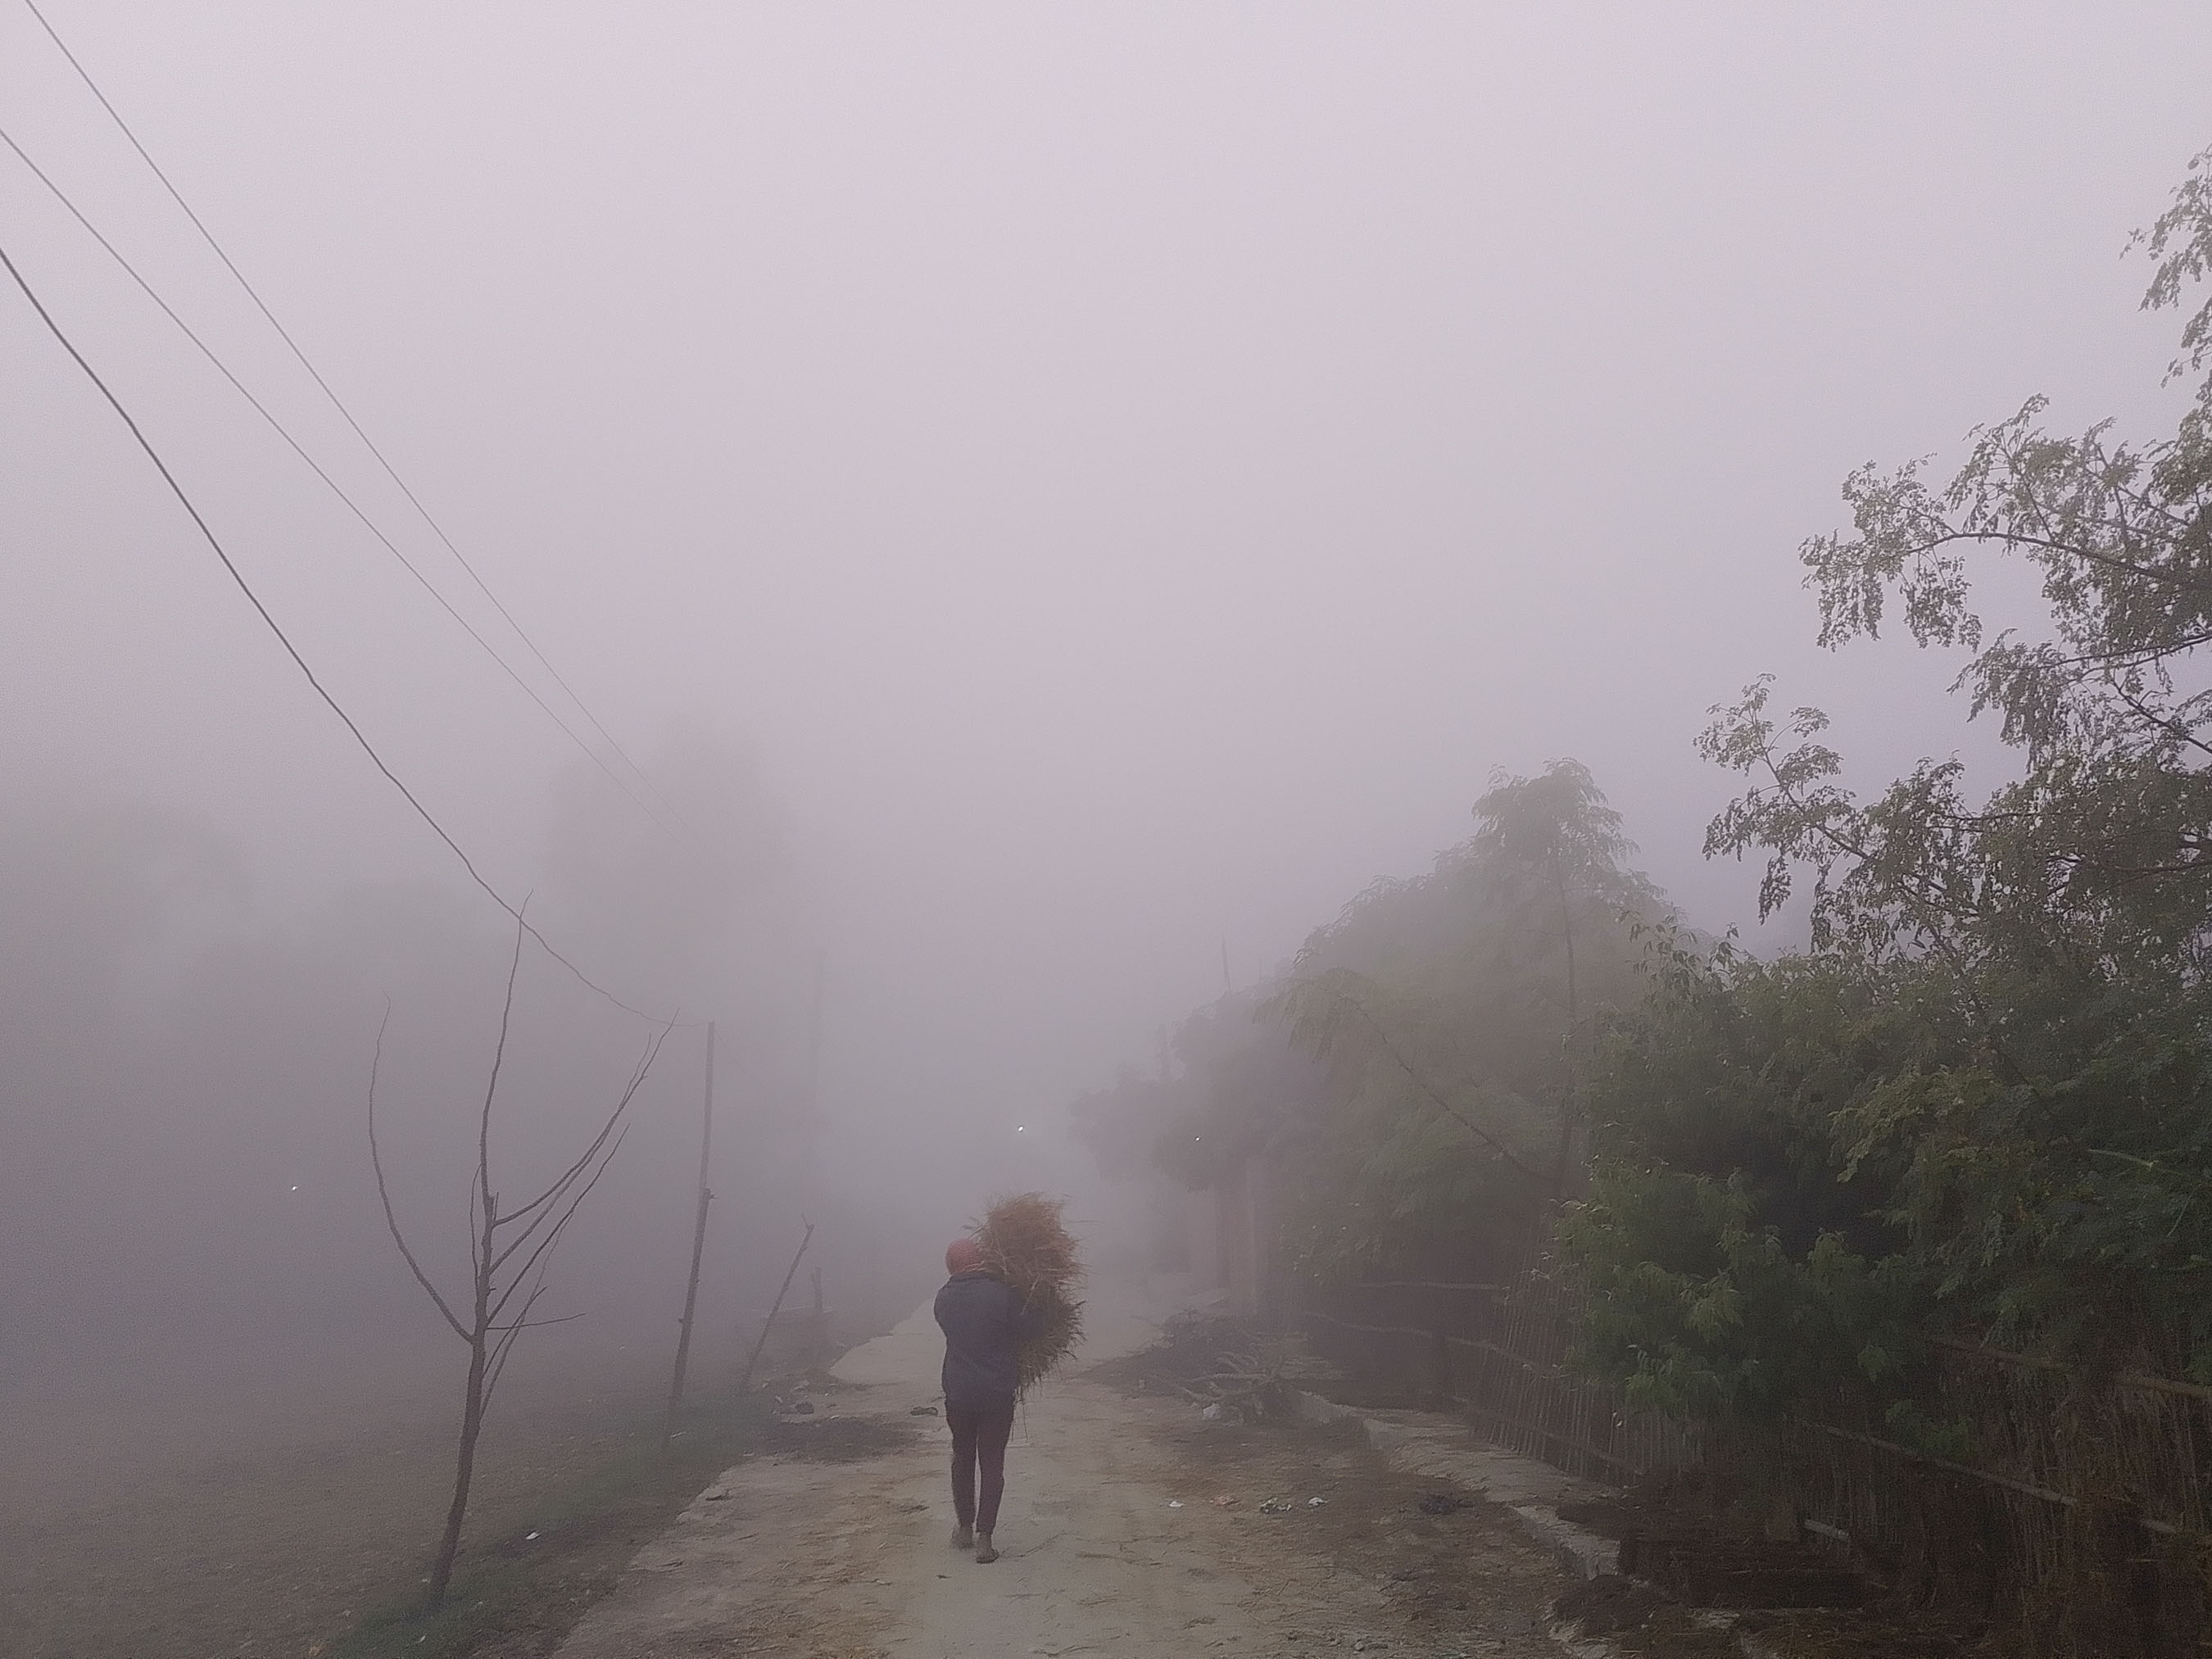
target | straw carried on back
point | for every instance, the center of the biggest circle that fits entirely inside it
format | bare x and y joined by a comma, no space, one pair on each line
1025,1244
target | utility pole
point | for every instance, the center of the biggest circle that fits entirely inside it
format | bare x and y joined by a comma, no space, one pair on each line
698,1248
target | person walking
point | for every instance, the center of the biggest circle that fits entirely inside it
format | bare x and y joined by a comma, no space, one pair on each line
985,1325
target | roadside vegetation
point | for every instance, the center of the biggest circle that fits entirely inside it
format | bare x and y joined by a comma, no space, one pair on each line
1974,1115
1977,1107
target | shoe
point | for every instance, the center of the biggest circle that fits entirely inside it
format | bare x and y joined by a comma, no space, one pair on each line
962,1538
984,1552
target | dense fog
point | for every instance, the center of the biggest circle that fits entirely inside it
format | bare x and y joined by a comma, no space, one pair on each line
1053,502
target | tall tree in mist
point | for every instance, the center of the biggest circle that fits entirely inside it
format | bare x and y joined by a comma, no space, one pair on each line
699,900
1555,860
688,883
509,1246
1417,1066
2071,912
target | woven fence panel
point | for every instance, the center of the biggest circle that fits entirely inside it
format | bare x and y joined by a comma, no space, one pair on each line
2072,1507
1495,1351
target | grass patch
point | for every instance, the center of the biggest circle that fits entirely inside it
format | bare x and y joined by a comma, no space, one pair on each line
516,1596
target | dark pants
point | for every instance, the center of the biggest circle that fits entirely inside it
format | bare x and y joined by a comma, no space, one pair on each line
979,1436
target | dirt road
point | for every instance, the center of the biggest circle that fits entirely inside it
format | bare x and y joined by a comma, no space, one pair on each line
1114,1537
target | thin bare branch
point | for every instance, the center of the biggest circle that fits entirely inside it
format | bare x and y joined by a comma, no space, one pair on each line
497,1362
384,1191
498,1058
1383,1039
522,1324
2165,723
548,1199
1927,924
636,1081
553,1234
2020,539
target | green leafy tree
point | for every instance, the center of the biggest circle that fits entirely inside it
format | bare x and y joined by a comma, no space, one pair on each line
1733,1260
2021,1104
2099,852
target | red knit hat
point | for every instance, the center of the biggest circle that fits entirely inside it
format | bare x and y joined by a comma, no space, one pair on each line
963,1255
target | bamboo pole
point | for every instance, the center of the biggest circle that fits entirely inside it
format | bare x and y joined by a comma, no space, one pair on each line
698,1249
745,1382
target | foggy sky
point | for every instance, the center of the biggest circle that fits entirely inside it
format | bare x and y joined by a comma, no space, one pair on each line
1127,475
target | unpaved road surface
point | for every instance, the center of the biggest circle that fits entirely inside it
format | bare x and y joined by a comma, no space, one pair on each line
1113,1540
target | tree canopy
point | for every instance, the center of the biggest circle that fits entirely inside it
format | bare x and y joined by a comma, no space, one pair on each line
1415,1068
1979,1107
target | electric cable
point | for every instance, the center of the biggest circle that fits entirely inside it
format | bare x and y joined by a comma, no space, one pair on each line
338,403
336,488
291,650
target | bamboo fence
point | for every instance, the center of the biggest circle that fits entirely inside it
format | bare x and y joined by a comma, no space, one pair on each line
2072,1507
1494,1351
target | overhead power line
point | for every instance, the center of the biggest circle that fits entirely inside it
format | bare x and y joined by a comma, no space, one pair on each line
338,403
338,490
291,650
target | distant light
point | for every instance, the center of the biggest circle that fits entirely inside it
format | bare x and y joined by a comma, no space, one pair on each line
295,1190
1019,1127
1198,1137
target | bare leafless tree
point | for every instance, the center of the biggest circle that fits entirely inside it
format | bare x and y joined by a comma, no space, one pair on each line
507,1253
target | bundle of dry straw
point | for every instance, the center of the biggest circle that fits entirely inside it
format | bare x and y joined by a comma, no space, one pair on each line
1025,1244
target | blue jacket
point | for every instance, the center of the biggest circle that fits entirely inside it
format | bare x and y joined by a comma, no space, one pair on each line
985,1326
